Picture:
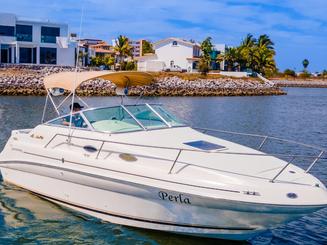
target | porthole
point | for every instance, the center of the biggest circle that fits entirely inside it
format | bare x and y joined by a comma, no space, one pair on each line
90,148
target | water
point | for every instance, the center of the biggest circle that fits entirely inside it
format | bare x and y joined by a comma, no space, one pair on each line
301,116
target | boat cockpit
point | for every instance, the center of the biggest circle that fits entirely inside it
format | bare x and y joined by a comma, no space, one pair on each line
119,119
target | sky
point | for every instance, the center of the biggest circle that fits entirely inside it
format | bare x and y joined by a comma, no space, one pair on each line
297,27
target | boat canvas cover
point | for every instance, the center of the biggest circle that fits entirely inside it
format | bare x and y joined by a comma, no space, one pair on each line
72,80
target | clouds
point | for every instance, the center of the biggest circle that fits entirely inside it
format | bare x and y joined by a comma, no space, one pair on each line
297,27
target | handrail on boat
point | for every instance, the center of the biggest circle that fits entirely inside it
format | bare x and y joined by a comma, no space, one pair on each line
260,136
180,150
265,138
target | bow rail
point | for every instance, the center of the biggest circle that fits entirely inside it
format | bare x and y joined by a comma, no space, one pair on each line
179,151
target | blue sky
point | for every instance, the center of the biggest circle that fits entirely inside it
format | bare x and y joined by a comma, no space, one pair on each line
298,27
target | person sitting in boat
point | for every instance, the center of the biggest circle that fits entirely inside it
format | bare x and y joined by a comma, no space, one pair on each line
77,120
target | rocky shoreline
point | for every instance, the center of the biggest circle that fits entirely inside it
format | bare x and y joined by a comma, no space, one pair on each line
28,80
308,83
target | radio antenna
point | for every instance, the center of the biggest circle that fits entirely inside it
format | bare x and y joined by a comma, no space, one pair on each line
76,72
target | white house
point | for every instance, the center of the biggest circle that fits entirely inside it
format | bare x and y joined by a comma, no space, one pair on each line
25,41
171,52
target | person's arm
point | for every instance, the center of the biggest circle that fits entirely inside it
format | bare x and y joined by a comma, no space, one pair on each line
66,121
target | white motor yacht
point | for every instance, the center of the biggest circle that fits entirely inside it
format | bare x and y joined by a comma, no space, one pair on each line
138,165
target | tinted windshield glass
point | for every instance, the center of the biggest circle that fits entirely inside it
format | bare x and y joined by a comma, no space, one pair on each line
77,121
114,119
146,116
170,118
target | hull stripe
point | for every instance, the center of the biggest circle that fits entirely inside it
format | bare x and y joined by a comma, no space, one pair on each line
142,220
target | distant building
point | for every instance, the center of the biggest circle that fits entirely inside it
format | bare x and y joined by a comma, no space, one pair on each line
178,52
171,53
101,49
24,41
137,47
85,53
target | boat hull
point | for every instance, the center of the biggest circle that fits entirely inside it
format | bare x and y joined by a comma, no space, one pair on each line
147,207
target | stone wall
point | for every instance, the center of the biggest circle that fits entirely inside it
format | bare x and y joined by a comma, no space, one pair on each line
308,83
28,80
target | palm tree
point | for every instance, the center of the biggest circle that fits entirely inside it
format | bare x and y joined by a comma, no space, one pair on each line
247,49
265,41
248,41
232,57
257,54
147,47
206,46
205,61
305,64
264,55
264,60
123,48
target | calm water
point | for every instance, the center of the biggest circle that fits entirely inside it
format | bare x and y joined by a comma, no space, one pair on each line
301,116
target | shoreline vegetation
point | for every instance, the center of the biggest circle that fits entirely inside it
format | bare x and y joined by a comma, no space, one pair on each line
28,80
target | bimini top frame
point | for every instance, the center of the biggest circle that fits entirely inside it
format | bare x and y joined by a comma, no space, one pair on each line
72,80
57,83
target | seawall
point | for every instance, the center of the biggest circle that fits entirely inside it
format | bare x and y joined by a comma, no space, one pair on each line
28,80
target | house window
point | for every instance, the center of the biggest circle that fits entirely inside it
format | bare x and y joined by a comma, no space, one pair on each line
5,53
175,43
49,34
48,56
7,31
34,56
24,33
25,55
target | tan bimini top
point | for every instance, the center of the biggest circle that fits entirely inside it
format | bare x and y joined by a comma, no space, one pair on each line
72,80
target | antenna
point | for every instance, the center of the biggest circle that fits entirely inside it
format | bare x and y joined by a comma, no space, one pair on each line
76,72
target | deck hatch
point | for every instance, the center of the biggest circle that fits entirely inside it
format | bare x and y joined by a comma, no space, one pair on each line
204,145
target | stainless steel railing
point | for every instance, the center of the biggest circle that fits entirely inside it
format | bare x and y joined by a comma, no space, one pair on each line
263,142
205,130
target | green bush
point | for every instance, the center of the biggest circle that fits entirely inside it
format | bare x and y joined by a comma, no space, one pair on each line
99,61
290,73
130,66
203,67
305,74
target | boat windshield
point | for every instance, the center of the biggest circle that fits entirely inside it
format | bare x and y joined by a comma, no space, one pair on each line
130,118
147,117
167,116
111,119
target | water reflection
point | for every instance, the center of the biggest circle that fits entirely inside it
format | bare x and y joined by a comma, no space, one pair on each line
25,218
